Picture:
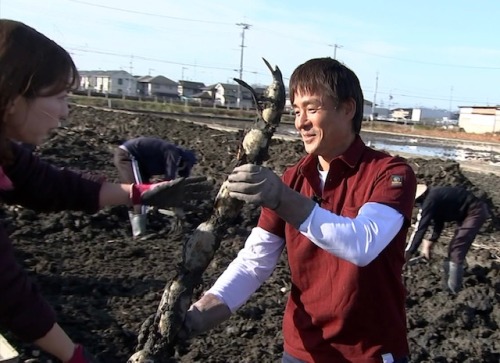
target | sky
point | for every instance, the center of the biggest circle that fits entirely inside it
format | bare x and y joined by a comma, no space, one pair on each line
439,54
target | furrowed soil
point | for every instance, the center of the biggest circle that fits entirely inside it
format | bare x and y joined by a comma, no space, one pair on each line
104,284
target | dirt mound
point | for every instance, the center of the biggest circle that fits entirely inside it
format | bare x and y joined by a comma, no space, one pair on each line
103,284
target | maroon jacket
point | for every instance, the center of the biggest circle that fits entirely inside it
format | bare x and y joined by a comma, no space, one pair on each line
44,188
337,311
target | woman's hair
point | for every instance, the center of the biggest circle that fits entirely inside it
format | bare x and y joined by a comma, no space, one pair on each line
31,65
330,78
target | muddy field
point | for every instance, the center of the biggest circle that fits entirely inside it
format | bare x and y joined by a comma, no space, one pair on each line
103,283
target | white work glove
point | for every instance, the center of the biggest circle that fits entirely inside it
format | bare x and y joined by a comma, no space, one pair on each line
256,185
203,315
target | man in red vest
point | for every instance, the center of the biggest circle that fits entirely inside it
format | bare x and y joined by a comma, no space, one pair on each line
342,212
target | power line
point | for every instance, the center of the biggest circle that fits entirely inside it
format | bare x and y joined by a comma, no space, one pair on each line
424,62
464,66
392,92
157,60
230,69
148,58
148,14
429,98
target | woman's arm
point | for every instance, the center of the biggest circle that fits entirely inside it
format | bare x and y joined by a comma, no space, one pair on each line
114,194
43,187
57,343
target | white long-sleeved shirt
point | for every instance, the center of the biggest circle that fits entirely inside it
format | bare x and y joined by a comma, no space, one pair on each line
358,240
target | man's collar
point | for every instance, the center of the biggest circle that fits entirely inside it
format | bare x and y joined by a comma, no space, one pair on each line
354,152
350,157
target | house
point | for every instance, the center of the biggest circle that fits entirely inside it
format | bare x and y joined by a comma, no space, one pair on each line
367,109
479,119
189,88
419,115
204,98
158,86
371,113
110,82
381,113
226,94
401,114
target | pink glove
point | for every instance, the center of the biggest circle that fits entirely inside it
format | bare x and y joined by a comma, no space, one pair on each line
80,355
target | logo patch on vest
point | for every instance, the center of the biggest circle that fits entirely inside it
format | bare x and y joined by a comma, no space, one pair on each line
396,181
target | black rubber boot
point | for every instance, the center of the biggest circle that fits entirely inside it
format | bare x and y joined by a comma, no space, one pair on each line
455,278
446,274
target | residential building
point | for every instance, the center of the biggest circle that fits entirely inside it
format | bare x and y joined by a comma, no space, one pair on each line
226,94
419,115
380,113
479,119
189,88
367,109
110,82
158,86
205,97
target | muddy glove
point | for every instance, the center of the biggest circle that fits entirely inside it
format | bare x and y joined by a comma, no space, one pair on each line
81,355
255,184
258,185
203,315
173,193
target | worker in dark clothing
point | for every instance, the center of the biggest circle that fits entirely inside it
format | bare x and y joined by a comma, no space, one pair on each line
447,204
139,159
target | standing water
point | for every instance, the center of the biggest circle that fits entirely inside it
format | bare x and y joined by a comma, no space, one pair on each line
426,147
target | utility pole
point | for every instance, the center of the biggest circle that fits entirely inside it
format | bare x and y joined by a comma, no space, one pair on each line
131,67
244,26
335,47
451,99
374,97
183,68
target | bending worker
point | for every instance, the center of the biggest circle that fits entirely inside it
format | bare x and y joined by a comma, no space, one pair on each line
447,204
139,159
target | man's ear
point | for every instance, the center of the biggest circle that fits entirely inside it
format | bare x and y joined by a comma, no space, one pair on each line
349,107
